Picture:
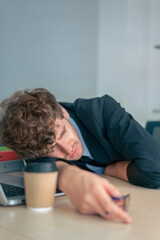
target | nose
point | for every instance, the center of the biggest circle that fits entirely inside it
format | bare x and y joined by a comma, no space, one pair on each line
64,147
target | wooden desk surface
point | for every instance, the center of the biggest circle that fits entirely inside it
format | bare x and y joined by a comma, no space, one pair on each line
64,223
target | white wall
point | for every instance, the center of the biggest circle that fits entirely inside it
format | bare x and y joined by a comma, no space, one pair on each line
83,48
48,43
128,64
123,54
154,61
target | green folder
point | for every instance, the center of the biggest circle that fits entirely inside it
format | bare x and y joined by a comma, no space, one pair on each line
4,149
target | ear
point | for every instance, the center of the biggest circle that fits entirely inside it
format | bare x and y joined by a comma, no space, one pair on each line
65,113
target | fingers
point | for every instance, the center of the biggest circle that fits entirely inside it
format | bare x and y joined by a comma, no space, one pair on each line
94,196
111,190
114,211
109,209
99,202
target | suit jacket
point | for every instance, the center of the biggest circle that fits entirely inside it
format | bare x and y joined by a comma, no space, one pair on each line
111,134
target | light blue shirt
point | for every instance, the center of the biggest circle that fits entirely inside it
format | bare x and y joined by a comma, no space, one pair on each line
96,169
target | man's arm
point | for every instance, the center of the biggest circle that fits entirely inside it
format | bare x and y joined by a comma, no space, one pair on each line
118,169
110,123
89,193
134,144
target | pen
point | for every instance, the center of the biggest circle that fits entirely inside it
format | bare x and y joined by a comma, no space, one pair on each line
122,201
116,198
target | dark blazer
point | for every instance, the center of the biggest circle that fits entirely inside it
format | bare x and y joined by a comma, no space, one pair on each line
111,134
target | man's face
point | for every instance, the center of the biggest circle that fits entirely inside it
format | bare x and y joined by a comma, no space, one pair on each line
67,145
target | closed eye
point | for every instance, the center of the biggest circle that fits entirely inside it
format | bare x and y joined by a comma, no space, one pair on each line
62,133
59,135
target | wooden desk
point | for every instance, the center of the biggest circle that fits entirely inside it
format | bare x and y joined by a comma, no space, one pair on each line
64,223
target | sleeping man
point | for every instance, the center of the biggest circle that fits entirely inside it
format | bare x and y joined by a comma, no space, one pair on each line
86,138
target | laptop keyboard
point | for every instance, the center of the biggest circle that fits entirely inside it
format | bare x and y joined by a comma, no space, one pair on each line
12,191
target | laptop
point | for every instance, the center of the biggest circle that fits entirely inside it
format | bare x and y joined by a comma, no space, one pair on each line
12,190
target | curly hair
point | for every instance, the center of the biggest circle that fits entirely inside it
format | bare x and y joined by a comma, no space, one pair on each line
27,122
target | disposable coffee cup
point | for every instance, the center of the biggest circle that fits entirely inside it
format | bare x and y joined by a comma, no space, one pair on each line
40,179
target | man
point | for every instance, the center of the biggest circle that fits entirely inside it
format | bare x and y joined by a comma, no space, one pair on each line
94,134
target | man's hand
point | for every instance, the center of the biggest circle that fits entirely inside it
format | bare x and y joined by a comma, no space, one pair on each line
90,193
118,169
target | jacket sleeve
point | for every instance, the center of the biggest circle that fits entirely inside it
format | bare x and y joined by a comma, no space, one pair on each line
134,143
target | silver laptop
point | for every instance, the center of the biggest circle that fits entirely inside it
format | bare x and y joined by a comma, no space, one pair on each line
12,190
12,183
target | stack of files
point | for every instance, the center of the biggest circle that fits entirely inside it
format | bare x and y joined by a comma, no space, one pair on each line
9,161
